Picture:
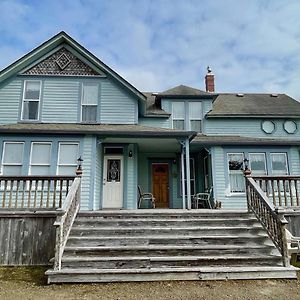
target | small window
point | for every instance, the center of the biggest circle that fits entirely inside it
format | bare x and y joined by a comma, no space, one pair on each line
178,114
195,116
89,103
31,100
279,164
40,158
236,176
67,158
12,158
113,150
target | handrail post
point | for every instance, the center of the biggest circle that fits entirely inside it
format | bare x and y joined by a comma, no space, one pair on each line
247,174
283,224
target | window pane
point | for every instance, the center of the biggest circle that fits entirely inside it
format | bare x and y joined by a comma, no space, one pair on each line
32,90
41,153
68,154
279,163
257,163
13,153
178,124
66,170
196,125
40,170
178,110
195,110
237,182
30,110
235,161
89,113
12,170
90,94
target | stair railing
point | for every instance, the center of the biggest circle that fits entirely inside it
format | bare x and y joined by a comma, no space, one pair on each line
271,218
65,220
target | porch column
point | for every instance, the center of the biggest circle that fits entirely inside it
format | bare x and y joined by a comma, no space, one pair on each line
182,177
188,174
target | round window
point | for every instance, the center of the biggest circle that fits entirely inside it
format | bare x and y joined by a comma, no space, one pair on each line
268,126
290,126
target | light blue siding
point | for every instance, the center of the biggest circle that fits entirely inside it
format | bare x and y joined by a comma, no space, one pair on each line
155,122
294,160
10,99
117,106
98,177
247,127
88,162
60,101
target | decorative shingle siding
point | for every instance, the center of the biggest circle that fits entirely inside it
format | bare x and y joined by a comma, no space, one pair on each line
60,101
10,96
117,107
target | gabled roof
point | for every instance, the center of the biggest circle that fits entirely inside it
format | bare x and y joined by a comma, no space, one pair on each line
255,105
53,43
182,91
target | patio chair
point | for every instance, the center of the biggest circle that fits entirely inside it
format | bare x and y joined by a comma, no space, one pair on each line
293,243
148,197
203,200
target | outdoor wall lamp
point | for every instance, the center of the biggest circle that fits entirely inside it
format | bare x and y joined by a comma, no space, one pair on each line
130,154
246,164
79,165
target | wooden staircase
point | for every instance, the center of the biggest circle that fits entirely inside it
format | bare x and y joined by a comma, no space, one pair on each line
154,245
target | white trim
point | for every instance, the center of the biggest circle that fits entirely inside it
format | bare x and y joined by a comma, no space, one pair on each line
58,155
31,100
30,159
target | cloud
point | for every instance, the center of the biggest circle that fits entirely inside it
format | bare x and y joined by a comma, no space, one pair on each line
252,46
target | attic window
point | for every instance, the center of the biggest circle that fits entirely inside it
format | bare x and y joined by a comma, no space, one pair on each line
31,100
63,61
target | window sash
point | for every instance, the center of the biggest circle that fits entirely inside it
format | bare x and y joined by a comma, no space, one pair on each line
66,167
178,124
27,90
12,166
277,171
235,172
40,167
89,94
253,159
195,110
89,113
178,110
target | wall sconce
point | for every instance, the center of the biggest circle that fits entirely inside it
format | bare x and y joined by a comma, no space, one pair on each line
130,154
79,166
246,164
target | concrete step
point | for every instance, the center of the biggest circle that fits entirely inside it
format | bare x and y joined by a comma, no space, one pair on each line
160,274
169,250
166,230
159,222
126,262
167,240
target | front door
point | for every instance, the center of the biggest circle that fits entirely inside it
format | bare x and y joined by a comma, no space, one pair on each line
160,184
113,182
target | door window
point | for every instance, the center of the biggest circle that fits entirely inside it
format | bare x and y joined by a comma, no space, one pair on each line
113,170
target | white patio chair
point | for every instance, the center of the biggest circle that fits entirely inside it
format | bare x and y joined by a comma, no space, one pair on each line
203,200
145,197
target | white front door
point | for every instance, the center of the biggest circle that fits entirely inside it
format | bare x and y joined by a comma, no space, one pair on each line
113,182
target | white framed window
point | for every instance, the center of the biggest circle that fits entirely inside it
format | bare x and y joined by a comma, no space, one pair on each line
40,158
12,158
279,164
195,116
178,115
89,102
235,171
257,163
68,153
31,100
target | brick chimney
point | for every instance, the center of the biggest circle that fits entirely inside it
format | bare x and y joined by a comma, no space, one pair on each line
210,81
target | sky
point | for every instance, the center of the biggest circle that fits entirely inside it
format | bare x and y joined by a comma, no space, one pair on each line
251,45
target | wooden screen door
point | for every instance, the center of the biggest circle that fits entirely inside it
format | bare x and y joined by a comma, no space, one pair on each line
160,184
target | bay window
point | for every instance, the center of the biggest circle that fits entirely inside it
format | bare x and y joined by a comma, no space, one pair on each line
89,103
31,100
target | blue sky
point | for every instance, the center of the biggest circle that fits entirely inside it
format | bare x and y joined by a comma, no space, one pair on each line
251,45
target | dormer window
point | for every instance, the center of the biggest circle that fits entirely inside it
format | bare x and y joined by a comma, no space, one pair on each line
187,115
89,103
31,100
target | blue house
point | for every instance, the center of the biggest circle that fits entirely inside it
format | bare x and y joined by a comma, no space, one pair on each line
60,103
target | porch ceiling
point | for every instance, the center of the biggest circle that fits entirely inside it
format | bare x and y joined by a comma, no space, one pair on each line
153,145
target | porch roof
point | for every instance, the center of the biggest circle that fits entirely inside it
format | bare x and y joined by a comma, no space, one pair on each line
97,129
212,140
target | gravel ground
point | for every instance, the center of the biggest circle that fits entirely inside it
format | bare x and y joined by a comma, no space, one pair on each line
31,285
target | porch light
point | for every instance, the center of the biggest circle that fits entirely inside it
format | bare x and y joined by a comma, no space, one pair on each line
246,164
130,154
79,166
